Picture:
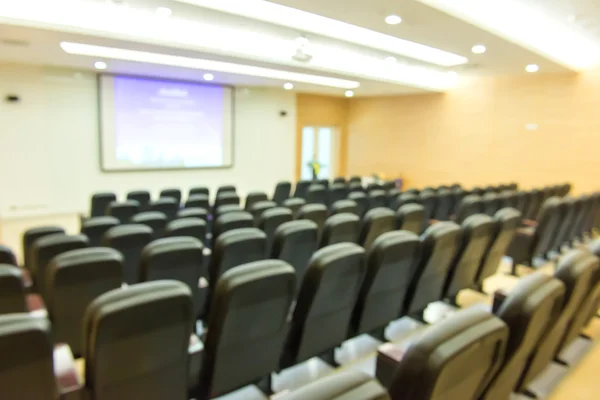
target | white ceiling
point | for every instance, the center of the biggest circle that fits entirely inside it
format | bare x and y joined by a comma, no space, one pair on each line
27,40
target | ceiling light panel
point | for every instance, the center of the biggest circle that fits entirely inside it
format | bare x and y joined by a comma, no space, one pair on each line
529,26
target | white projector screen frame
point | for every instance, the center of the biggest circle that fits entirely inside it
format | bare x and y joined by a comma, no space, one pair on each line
107,130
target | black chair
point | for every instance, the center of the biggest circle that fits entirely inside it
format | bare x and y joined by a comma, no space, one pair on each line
323,182
95,228
443,205
376,222
344,206
225,209
377,198
355,187
314,212
226,198
316,194
33,234
270,220
340,228
339,179
294,204
198,190
470,205
193,227
362,202
254,197
336,192
325,302
231,221
123,211
355,179
155,220
282,192
259,208
130,240
294,243
302,189
99,202
225,189
7,256
12,290
193,212
428,200
198,201
166,205
410,218
141,196
491,203
172,193
391,195
535,202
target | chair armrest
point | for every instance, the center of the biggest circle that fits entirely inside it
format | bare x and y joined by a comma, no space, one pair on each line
195,352
389,356
68,382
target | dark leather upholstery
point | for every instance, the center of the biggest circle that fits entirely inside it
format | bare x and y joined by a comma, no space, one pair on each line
404,198
376,222
193,227
99,203
477,234
337,192
344,206
522,201
176,258
270,220
506,222
355,178
428,201
123,211
155,220
74,279
166,205
435,367
259,208
458,194
340,228
26,365
227,208
198,200
231,221
530,309
294,204
325,302
410,218
282,192
225,189
254,197
391,195
31,235
198,190
247,329
141,196
355,187
566,222
535,202
362,202
339,179
316,194
377,198
131,356
491,203
7,256
443,205
294,243
390,265
193,212
345,385
316,213
470,205
439,245
95,228
302,189
226,198
12,290
172,193
130,240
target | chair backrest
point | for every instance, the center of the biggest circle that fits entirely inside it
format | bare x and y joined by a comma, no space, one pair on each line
362,202
522,201
410,218
470,205
477,234
150,321
580,214
123,211
294,204
325,302
141,196
316,194
428,200
390,265
155,220
226,198
198,190
530,309
377,198
251,308
294,243
355,178
230,221
33,234
339,179
491,203
458,194
26,365
224,209
545,231
355,187
302,189
340,228
254,197
282,192
95,228
166,205
376,222
7,256
12,290
344,206
454,359
193,227
404,198
337,192
130,240
99,202
198,200
259,208
567,217
443,205
316,213
270,220
172,193
439,244
74,279
349,384
506,223
535,202
193,212
586,215
225,189
176,258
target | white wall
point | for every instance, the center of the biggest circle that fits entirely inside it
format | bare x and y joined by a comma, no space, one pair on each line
49,144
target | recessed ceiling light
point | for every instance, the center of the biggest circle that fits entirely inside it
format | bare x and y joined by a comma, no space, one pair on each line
100,65
163,12
532,68
349,93
393,19
478,49
208,77
390,59
288,86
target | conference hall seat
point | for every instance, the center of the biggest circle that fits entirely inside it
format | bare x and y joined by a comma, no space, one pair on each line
377,198
198,201
477,233
7,256
506,223
512,186
506,199
226,198
344,206
226,209
376,222
428,201
535,203
26,365
391,194
336,192
373,186
141,196
12,291
388,185
522,201
259,208
282,192
31,235
130,240
99,203
478,191
45,249
453,359
439,244
582,209
302,189
254,197
565,223
192,227
193,212
316,194
155,220
458,194
179,259
325,302
95,228
136,342
410,218
339,179
491,203
470,205
166,205
172,193
585,224
593,215
247,327
428,189
530,309
74,279
123,211
575,271
414,191
295,242
230,221
362,202
355,179
345,385
443,205
340,228
225,189
198,190
323,182
405,198
316,213
355,187
294,204
270,220
390,265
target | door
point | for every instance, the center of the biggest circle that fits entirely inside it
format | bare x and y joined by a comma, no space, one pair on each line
320,144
